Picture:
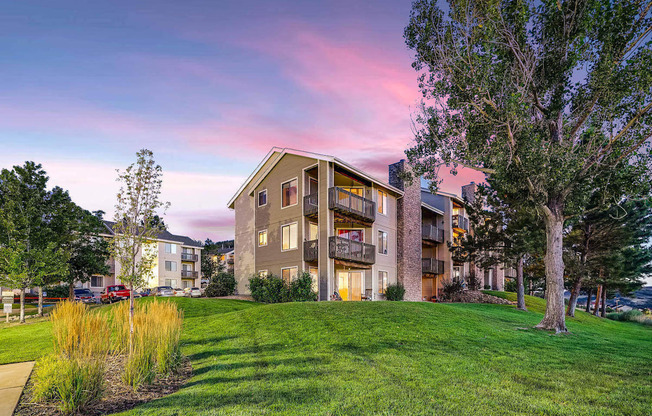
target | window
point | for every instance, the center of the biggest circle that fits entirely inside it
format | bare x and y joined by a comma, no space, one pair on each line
382,202
262,238
382,242
185,284
313,231
171,266
262,198
289,273
314,273
289,193
289,237
97,281
382,282
263,273
170,248
171,282
351,234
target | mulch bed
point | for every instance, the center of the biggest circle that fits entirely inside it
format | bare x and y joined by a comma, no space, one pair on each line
117,396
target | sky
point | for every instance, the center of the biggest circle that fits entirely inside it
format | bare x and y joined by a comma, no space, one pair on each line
209,86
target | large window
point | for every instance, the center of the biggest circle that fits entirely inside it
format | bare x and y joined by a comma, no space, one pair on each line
382,202
382,242
382,282
289,273
289,193
170,248
262,238
262,198
97,281
171,282
170,266
289,237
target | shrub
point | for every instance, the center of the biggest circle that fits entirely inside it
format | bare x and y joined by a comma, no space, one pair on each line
395,292
223,284
451,289
633,315
301,289
140,364
77,332
57,291
511,285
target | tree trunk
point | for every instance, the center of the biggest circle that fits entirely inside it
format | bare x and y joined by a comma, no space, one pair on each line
22,305
575,293
40,301
555,318
520,287
589,293
71,292
598,296
131,318
603,312
530,286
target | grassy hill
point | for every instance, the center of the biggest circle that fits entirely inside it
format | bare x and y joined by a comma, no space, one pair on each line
395,358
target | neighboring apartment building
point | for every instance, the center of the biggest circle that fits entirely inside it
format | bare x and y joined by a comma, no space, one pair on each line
177,263
301,211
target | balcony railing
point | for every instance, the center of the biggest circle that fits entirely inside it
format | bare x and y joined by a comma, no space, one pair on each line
311,250
351,204
189,273
461,222
345,249
311,205
432,233
189,257
430,265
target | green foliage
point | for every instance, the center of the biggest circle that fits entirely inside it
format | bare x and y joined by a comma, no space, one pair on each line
140,366
395,292
273,289
452,288
631,316
222,284
58,291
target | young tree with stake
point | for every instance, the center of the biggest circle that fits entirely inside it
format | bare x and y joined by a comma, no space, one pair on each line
137,224
542,96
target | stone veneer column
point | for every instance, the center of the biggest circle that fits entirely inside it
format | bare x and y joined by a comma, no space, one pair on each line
408,253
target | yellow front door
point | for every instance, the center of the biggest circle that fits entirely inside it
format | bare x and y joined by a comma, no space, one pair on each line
350,285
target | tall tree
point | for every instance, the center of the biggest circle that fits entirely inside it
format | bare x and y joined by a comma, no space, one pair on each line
542,96
137,224
29,255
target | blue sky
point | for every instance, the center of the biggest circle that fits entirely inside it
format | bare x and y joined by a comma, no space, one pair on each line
209,86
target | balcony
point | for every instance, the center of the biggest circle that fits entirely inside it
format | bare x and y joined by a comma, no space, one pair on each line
432,266
311,250
354,251
311,205
461,223
432,233
189,257
189,274
351,206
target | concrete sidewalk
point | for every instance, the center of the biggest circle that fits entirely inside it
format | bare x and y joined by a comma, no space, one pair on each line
12,380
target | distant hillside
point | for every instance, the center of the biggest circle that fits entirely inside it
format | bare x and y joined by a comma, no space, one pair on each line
640,300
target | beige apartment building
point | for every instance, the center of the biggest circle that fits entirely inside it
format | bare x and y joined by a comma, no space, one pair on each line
177,263
355,234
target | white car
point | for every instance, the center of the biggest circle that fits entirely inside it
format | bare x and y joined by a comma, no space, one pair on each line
179,292
193,292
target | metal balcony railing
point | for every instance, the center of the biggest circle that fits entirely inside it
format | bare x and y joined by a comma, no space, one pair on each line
351,204
345,249
311,205
311,250
461,222
432,233
189,257
430,265
189,273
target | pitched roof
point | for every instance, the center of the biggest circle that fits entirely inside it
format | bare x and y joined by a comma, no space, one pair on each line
165,236
277,153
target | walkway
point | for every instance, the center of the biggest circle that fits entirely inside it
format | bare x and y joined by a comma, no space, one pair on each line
12,380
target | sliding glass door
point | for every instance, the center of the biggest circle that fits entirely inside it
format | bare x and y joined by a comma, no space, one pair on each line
350,284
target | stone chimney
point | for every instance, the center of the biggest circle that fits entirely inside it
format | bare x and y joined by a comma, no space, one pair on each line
408,230
468,192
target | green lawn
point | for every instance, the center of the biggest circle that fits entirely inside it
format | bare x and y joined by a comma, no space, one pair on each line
394,358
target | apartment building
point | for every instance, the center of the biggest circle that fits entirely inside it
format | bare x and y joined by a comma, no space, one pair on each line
177,263
302,211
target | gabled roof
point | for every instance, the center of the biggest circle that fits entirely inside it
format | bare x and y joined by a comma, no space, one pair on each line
163,236
277,153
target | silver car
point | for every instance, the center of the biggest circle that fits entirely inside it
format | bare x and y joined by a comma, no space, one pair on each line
165,291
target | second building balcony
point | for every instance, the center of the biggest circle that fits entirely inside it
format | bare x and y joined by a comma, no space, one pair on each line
189,257
349,250
432,266
351,206
460,223
189,274
432,234
311,250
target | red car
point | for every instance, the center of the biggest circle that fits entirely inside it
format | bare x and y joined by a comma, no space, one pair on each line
114,293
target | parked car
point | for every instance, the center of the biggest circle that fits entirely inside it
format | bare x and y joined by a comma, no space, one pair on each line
179,292
85,296
114,293
162,291
193,292
145,292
